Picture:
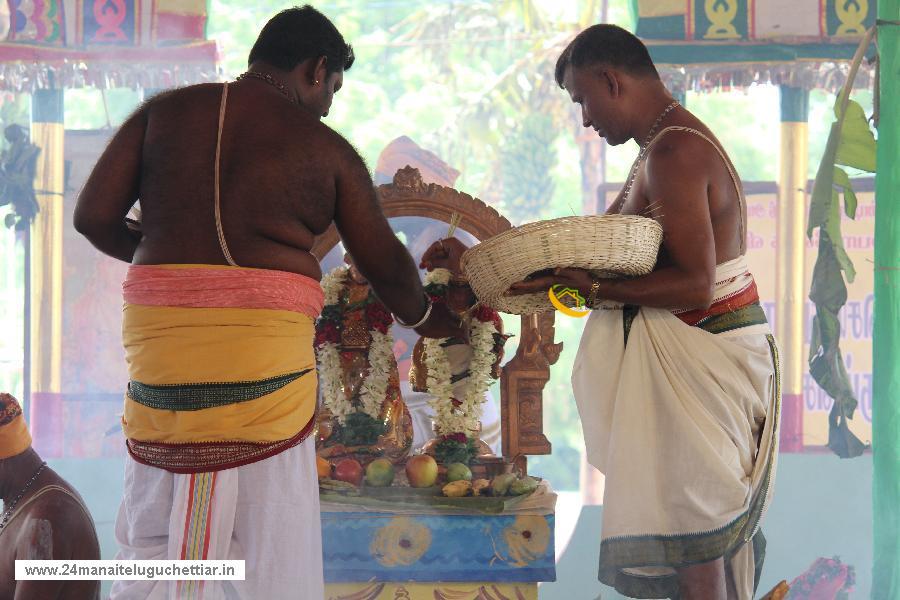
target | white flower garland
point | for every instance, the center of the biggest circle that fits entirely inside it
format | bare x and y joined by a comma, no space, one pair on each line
375,383
332,283
438,277
463,418
330,379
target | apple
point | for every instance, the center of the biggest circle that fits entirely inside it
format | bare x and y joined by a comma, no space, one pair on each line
348,470
421,471
380,473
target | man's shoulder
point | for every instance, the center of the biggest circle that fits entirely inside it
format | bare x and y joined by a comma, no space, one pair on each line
181,94
62,507
323,132
180,100
684,151
334,144
682,142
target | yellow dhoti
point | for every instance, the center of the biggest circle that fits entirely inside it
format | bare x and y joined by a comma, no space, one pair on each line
222,395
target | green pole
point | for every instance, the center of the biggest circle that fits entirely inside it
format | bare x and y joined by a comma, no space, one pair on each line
886,340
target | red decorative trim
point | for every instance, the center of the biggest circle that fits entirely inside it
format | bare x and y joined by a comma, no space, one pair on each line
732,302
751,17
9,409
187,517
204,457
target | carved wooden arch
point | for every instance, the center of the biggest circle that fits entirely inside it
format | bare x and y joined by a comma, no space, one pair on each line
524,376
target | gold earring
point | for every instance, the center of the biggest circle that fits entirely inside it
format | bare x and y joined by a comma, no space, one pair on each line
316,82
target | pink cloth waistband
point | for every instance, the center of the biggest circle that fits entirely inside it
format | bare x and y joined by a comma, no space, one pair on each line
213,286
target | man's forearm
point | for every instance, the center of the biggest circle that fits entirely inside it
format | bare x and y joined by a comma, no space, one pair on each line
668,287
120,243
396,283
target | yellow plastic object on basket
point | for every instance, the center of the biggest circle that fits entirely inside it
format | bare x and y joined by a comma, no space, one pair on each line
606,245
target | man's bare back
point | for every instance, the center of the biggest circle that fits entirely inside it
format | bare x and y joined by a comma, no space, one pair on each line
276,182
284,177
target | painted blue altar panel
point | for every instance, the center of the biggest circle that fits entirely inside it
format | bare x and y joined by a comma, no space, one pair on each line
367,546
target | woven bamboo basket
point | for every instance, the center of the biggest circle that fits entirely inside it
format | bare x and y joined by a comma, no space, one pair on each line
606,245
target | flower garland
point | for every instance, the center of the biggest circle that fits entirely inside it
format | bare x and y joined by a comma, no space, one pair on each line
328,337
326,343
452,414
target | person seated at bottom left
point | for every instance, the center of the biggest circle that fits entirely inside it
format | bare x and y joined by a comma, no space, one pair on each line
43,516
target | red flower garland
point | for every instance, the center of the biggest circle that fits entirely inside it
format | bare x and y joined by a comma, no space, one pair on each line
378,317
327,333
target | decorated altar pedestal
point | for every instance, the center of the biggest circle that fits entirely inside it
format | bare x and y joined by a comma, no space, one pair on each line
480,534
373,552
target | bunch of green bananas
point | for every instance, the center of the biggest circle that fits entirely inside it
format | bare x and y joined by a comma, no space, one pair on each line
528,159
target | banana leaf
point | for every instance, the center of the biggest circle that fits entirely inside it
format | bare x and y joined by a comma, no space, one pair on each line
850,143
856,145
392,498
842,180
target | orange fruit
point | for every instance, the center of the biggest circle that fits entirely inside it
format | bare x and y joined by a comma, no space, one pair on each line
323,467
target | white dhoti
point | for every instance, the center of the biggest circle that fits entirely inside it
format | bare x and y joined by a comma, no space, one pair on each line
683,421
265,513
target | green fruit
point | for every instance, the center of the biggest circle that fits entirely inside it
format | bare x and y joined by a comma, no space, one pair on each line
500,483
523,486
380,473
458,472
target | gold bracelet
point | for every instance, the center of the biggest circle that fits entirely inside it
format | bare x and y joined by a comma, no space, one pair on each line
592,296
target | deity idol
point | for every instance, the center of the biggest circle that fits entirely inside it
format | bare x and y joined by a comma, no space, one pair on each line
363,413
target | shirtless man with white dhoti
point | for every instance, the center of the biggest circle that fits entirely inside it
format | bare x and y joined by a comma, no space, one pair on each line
676,376
235,182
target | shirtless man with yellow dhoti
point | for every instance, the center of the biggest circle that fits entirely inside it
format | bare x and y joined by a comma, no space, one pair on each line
235,181
676,377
